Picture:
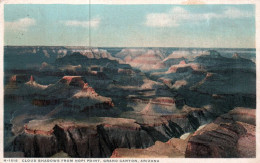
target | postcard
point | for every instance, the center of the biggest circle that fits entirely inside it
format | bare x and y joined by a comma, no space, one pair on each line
129,81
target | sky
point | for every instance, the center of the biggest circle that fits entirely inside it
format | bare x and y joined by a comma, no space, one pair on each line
209,26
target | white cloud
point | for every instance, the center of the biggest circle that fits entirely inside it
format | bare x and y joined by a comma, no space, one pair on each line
20,25
93,23
233,12
160,20
178,15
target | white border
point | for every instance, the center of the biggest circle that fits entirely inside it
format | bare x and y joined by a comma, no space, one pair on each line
129,2
114,2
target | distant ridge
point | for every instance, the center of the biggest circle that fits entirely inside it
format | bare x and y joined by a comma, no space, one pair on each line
206,48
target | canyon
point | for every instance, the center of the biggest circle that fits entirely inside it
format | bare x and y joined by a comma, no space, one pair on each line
127,102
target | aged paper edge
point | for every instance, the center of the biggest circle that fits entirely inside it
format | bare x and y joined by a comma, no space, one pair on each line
129,2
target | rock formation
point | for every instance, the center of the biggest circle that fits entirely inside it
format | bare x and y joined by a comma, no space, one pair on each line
87,98
80,139
174,148
230,135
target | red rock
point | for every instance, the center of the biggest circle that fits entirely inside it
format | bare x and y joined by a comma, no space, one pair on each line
73,80
163,101
209,75
13,78
37,132
31,79
228,136
173,148
19,78
182,62
125,71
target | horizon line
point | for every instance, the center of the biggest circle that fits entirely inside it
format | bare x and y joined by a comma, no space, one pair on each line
127,46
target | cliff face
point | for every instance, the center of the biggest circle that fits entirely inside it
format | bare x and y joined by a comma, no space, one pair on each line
79,142
101,139
233,132
230,135
35,145
82,140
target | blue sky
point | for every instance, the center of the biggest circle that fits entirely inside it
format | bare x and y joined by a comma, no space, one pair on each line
228,26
